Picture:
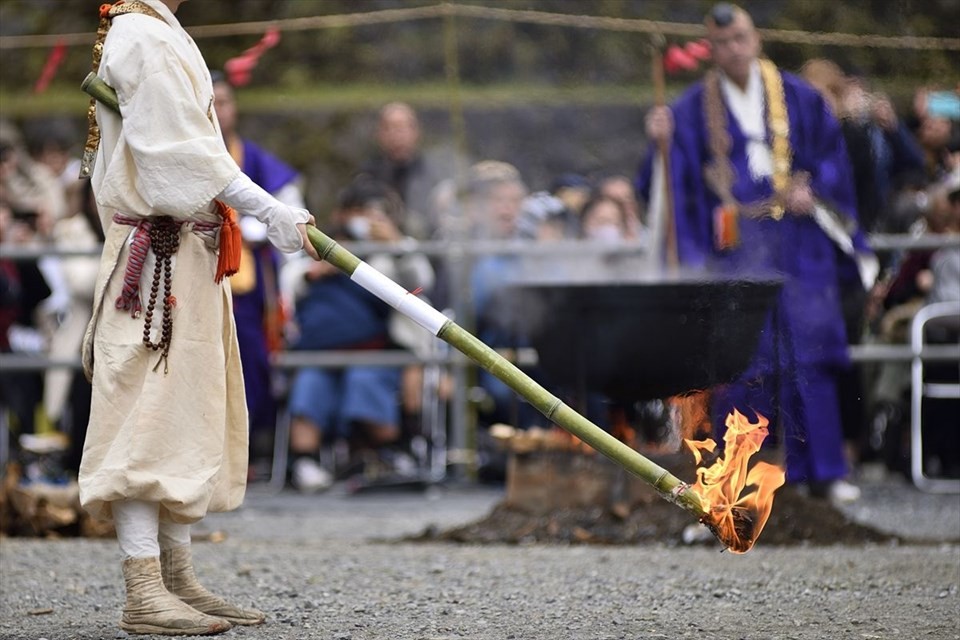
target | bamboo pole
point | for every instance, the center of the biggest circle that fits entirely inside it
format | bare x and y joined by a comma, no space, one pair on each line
666,484
669,215
104,93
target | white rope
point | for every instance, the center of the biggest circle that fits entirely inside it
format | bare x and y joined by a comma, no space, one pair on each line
636,25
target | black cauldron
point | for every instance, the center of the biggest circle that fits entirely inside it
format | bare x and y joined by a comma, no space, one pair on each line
644,340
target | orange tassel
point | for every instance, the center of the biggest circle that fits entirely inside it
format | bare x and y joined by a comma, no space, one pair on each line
228,263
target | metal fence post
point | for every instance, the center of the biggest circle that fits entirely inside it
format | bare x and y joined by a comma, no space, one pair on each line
462,425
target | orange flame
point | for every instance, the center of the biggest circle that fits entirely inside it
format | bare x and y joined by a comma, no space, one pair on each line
693,413
621,429
737,501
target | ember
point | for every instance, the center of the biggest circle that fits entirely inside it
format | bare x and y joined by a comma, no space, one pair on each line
738,501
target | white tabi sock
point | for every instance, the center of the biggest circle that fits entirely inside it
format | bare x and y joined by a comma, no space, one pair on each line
173,535
137,524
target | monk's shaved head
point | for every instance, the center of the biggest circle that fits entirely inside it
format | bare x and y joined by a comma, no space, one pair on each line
734,40
723,14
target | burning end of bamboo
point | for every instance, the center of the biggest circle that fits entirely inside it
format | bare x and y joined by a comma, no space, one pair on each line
737,499
736,530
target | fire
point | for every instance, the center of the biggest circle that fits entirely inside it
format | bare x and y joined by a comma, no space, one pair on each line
692,410
737,500
621,429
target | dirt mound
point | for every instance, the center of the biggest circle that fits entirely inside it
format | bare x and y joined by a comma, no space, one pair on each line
796,519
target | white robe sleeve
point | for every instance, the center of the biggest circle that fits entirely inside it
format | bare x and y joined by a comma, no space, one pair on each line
180,159
244,195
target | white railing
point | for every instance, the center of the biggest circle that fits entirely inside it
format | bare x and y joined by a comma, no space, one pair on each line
457,362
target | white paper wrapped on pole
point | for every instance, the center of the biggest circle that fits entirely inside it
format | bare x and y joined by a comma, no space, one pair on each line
398,298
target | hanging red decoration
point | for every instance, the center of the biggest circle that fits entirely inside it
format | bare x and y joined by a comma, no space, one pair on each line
699,49
677,59
57,54
239,69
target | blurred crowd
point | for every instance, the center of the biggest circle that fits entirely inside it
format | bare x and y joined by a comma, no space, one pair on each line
906,167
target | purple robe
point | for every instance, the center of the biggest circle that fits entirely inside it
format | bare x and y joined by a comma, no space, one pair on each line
803,344
250,308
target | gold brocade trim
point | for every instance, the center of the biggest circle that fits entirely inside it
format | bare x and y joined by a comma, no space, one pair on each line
779,125
93,129
719,172
107,14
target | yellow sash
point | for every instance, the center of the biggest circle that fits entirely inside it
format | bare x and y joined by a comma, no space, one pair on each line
719,172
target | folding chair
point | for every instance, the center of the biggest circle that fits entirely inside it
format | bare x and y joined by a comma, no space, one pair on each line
281,447
430,445
938,314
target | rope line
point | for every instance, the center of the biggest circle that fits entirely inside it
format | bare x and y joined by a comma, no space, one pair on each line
386,16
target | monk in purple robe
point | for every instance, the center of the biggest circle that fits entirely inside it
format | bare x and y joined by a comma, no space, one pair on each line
256,302
762,188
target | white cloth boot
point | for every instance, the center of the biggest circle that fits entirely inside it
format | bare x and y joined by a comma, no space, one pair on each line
149,608
181,580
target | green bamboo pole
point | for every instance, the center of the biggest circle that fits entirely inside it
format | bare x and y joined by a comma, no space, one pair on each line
667,485
104,93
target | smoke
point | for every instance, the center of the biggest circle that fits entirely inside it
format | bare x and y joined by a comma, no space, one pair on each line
523,296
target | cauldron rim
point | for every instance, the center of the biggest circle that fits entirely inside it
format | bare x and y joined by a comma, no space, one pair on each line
681,280
686,333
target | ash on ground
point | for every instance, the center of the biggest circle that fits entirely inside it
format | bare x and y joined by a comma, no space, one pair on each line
796,519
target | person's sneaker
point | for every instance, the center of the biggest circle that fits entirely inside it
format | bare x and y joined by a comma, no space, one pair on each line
309,477
398,462
696,533
843,492
44,444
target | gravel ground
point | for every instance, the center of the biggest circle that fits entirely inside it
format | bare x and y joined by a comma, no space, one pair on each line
330,567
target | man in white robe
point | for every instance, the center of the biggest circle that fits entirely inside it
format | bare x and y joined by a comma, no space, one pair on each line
167,443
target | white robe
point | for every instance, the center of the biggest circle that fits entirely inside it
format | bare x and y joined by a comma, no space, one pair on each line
180,438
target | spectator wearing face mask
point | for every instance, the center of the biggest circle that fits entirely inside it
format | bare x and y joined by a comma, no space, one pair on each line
359,404
620,188
604,219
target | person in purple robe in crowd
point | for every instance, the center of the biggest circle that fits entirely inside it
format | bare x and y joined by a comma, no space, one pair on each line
256,301
762,187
